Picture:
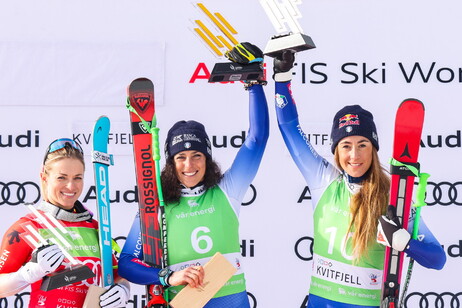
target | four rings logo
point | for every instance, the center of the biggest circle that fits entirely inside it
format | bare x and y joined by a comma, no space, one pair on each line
433,299
304,248
444,193
19,300
15,193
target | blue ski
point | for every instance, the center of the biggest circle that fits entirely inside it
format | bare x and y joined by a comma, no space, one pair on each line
101,161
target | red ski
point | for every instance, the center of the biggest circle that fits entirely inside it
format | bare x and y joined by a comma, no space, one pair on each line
408,131
140,103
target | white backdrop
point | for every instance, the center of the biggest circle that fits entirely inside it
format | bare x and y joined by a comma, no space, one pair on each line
63,64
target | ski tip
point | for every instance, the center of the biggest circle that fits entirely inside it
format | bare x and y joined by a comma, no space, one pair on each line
141,79
102,126
140,84
103,120
412,101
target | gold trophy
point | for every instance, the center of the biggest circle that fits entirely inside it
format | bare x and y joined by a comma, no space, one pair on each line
221,43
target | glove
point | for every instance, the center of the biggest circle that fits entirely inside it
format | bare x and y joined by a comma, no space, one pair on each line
45,260
282,66
390,233
116,296
245,53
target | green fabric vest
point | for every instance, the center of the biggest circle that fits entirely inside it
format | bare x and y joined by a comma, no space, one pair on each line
197,228
84,241
336,276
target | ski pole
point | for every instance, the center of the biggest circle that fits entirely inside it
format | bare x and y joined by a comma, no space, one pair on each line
418,204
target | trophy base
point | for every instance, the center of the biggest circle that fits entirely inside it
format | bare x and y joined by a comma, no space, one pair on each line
295,42
66,277
230,71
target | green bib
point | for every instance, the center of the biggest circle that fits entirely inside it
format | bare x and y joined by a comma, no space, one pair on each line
197,228
336,276
84,241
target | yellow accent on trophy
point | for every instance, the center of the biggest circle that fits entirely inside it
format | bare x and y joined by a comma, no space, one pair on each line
209,33
208,41
218,43
226,23
222,39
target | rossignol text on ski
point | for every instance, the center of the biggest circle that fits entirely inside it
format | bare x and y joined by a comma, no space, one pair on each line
141,105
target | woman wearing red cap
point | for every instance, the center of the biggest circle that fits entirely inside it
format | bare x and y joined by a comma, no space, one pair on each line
202,207
349,199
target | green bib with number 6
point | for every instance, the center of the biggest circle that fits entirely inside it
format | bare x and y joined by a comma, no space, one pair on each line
198,227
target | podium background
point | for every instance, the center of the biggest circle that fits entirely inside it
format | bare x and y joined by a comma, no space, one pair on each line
63,64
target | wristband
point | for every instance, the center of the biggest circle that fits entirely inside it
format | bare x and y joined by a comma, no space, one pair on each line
164,275
283,76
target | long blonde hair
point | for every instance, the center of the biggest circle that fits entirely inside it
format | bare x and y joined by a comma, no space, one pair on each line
367,205
67,152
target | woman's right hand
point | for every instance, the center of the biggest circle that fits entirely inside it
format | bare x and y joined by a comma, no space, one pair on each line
45,260
193,276
282,66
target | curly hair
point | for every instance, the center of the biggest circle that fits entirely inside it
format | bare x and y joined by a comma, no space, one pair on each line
171,186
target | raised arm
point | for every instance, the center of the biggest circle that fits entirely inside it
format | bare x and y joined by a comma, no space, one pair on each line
314,168
247,161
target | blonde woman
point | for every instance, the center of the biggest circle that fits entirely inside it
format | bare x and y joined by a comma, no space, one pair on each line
61,178
349,198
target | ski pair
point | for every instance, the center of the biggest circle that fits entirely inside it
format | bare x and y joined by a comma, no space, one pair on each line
146,151
140,103
404,168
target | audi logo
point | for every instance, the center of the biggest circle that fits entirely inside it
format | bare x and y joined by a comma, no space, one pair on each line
444,193
433,300
254,196
15,193
21,300
252,300
305,252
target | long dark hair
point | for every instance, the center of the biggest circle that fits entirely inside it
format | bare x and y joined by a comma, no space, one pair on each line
171,186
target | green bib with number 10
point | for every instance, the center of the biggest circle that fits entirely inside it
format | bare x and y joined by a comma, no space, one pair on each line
336,275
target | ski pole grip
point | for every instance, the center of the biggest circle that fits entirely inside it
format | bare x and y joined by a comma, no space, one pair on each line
421,190
155,143
420,202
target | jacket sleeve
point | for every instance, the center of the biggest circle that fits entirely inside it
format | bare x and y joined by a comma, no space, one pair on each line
14,253
247,161
316,171
131,265
426,250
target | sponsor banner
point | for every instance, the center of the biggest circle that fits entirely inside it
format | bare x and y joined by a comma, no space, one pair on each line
64,72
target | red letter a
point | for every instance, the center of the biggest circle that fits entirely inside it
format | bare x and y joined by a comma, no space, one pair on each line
200,67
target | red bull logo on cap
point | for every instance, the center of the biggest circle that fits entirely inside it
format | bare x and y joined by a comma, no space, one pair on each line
348,119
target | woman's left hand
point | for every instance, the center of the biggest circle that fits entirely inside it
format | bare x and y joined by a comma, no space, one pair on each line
116,296
390,233
193,276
